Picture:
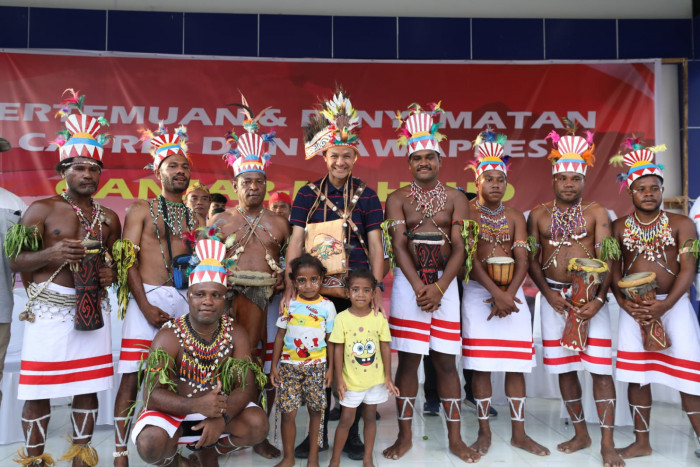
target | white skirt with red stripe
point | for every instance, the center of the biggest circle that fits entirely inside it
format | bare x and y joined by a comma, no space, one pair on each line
170,423
597,358
678,366
416,331
57,360
500,344
137,333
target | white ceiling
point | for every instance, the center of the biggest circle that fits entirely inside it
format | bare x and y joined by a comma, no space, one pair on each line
428,8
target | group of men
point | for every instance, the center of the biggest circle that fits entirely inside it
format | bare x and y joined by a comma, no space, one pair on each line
433,234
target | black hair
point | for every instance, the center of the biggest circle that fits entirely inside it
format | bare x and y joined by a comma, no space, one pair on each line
218,198
361,273
306,260
66,163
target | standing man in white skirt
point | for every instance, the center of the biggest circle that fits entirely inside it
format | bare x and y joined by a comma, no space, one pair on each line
566,228
496,322
59,360
665,244
153,233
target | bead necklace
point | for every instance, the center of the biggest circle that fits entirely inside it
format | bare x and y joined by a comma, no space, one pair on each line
251,220
648,239
89,226
494,225
429,201
172,213
199,357
567,224
252,226
177,212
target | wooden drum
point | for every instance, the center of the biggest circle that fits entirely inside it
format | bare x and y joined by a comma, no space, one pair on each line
639,287
500,269
88,292
587,274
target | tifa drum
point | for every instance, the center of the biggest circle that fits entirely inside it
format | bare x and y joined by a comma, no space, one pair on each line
587,275
639,287
500,269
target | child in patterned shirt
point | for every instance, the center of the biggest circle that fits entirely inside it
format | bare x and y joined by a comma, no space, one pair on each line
300,350
362,362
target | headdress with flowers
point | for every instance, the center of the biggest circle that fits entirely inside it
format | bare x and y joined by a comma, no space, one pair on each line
80,137
336,124
571,153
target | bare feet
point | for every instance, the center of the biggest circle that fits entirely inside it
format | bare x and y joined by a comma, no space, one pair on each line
312,463
368,462
267,450
399,448
575,444
635,449
286,462
483,443
530,445
464,452
611,458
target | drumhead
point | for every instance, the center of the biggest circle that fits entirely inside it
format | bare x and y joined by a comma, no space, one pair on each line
500,260
637,278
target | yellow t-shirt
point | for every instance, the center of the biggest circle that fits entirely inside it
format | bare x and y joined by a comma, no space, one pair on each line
362,358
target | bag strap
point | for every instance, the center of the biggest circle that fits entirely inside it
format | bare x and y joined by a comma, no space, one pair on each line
164,209
347,214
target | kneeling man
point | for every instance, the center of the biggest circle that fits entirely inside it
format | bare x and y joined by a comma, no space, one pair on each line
199,378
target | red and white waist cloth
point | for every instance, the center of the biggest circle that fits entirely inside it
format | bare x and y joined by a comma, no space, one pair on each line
57,360
170,423
416,331
597,358
500,344
678,366
137,333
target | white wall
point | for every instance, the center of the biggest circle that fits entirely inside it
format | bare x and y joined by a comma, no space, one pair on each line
431,8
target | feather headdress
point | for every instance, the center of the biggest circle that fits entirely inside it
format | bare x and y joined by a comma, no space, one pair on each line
336,124
419,130
80,137
164,144
640,160
489,149
571,153
250,151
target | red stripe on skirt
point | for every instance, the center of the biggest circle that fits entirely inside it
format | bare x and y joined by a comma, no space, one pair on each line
689,364
496,343
445,335
415,336
407,323
643,367
28,365
496,354
66,377
454,325
139,344
561,360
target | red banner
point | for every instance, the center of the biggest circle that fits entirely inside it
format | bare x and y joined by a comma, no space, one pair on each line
522,100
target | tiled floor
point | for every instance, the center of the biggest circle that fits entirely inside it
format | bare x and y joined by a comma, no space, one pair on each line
671,439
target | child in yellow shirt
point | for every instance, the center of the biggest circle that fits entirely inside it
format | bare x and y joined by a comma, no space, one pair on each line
365,359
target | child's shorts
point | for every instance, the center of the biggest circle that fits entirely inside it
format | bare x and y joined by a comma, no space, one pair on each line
372,396
302,383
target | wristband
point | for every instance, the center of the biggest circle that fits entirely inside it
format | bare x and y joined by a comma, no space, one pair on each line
600,300
438,287
227,419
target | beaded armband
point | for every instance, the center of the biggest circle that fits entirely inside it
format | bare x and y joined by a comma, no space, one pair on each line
521,244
